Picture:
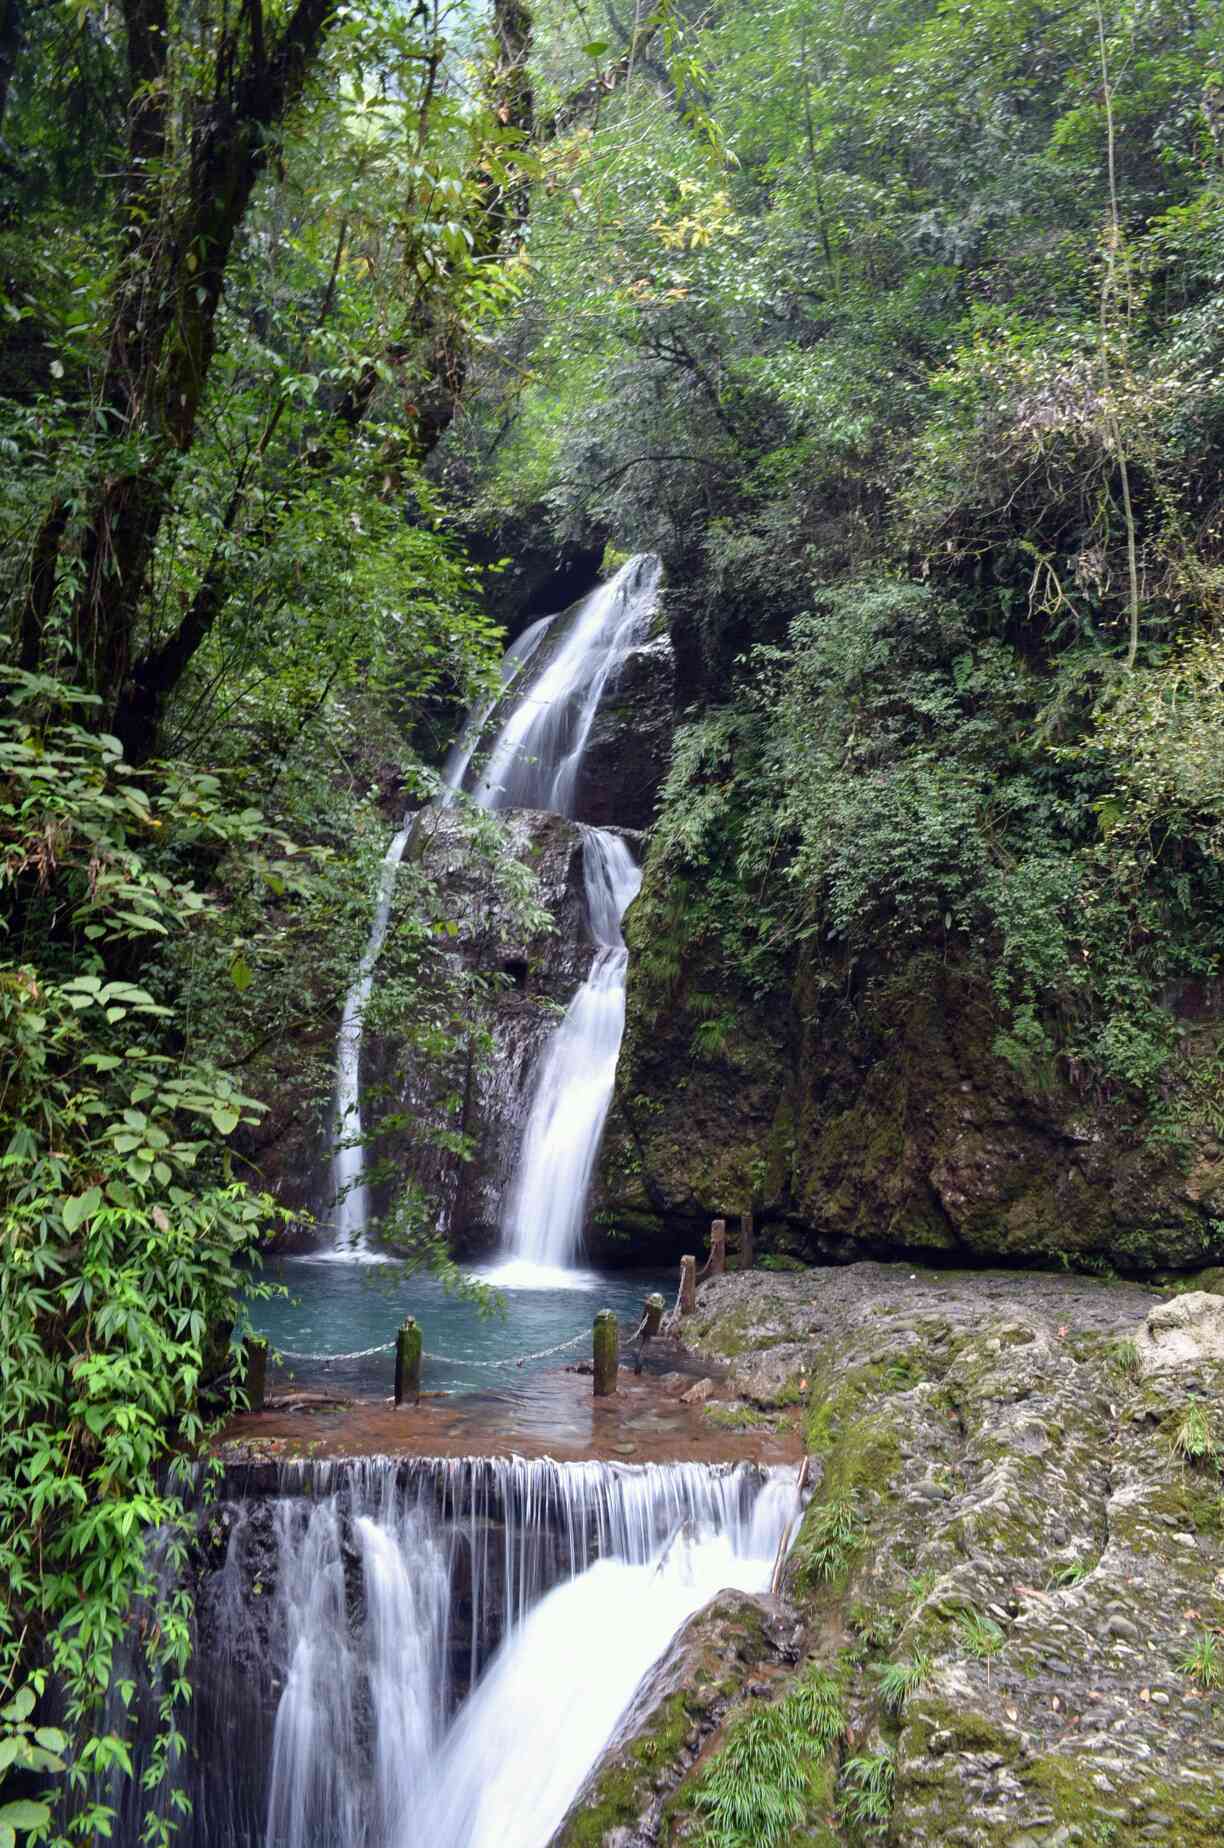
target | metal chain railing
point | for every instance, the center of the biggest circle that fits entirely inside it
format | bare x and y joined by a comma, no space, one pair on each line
453,1360
361,1353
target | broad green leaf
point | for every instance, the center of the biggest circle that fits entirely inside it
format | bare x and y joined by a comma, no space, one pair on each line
81,1207
24,1815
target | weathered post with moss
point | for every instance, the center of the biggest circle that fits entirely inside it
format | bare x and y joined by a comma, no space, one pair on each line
256,1371
718,1248
688,1285
652,1316
746,1241
606,1353
408,1362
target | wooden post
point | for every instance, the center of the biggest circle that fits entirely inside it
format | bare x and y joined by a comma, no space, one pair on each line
746,1251
652,1315
688,1285
256,1371
408,1362
718,1248
606,1348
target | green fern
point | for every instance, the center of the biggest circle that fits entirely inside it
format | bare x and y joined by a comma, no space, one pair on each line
833,1532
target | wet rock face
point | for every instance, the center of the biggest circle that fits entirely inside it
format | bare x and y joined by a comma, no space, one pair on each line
1013,1562
629,746
884,1122
540,972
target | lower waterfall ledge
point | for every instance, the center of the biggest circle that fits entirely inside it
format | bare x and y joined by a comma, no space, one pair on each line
552,1415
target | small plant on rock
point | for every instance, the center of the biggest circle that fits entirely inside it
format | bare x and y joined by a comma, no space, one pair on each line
875,1624
1193,1441
979,1635
834,1533
1073,1574
1203,1661
898,1680
867,1793
1124,1358
755,1791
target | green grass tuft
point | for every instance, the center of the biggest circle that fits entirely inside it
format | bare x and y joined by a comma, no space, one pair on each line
754,1793
898,1680
867,1790
833,1533
1193,1440
1203,1663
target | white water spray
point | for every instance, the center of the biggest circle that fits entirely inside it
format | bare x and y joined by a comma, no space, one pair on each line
351,1213
573,1089
534,759
534,763
571,1578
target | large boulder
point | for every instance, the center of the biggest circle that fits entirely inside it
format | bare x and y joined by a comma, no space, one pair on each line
1007,1567
1182,1333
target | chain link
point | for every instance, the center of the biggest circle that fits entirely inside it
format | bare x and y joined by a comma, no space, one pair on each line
456,1360
361,1354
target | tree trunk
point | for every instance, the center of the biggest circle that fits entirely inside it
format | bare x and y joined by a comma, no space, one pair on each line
180,231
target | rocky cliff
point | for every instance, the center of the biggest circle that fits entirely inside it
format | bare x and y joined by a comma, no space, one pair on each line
999,1624
883,1118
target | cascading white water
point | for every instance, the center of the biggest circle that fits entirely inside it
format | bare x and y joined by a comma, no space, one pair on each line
515,662
534,759
574,1666
351,1212
333,1780
573,1089
533,763
347,1608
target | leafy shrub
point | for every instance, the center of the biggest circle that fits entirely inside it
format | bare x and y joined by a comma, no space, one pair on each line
124,1230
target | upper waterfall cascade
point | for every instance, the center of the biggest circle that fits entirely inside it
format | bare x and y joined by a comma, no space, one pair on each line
525,750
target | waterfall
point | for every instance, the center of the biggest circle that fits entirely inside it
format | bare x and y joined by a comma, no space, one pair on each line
332,1781
552,680
515,662
573,1088
534,758
351,1215
533,762
435,1648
